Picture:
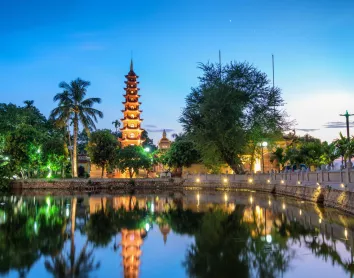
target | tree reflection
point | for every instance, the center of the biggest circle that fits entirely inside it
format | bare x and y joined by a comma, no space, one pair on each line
28,230
65,265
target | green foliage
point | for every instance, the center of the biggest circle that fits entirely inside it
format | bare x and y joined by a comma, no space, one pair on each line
133,158
279,156
181,153
233,106
102,148
73,109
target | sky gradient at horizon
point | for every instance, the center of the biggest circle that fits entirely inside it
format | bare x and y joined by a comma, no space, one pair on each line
45,42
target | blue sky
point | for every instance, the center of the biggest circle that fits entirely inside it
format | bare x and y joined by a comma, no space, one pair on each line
45,42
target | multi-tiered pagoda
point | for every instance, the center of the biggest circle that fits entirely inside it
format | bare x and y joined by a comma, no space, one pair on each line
131,130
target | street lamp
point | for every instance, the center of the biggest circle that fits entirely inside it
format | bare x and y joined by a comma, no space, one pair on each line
264,144
147,149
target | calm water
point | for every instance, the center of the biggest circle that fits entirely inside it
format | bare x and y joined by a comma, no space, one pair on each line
238,234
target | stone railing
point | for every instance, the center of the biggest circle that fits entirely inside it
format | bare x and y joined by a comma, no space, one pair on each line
343,179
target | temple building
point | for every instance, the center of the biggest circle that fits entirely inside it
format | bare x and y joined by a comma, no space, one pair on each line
131,130
164,143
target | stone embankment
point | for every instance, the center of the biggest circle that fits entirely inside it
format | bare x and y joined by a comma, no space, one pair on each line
331,193
96,184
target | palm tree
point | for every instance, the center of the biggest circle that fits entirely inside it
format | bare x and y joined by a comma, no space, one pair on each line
342,143
73,108
28,103
116,124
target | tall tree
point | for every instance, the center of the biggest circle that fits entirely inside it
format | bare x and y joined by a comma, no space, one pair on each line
102,148
73,109
230,103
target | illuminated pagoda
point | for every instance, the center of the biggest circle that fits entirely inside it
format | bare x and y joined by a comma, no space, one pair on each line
131,252
131,130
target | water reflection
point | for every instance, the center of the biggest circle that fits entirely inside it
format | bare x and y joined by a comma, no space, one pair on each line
253,235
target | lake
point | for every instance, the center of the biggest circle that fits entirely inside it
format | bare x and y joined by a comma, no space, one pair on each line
181,234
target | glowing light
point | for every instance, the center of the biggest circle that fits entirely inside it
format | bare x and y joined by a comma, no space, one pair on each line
49,175
198,196
342,185
225,197
147,149
251,200
319,187
39,150
225,180
258,209
48,201
6,158
300,212
147,227
67,212
298,182
35,227
320,220
157,198
269,202
250,180
197,180
152,207
282,181
317,183
346,233
284,206
269,238
268,181
264,144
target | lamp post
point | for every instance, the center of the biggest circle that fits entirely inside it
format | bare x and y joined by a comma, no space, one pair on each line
264,144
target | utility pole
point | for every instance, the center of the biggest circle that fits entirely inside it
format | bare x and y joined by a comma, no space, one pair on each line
347,115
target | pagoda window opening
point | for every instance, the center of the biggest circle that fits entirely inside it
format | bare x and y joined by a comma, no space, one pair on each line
132,135
132,125
132,116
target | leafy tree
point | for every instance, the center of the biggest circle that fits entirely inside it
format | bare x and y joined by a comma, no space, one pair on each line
23,146
223,112
55,155
341,144
329,153
133,158
182,153
102,148
279,156
73,108
82,141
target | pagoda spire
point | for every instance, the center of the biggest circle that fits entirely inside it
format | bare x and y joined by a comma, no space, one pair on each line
131,64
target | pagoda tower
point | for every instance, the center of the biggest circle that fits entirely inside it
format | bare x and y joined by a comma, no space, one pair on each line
131,252
131,130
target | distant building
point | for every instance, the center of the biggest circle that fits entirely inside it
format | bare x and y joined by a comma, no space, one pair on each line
164,143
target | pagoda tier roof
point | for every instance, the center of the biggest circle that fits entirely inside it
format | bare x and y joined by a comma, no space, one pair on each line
131,88
131,95
131,128
131,102
131,139
131,74
128,81
131,110
130,119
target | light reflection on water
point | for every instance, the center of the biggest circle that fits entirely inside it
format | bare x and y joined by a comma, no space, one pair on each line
195,234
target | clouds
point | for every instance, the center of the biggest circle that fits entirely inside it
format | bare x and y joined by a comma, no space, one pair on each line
338,125
160,130
155,129
307,129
